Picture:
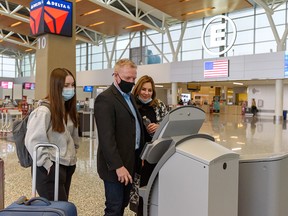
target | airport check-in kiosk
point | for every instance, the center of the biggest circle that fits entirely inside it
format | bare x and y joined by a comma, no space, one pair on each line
194,175
263,185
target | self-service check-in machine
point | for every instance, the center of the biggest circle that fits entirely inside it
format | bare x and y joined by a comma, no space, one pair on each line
263,185
194,175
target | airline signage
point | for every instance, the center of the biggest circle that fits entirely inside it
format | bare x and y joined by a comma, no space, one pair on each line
51,16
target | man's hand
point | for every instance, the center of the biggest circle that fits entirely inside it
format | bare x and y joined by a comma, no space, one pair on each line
123,175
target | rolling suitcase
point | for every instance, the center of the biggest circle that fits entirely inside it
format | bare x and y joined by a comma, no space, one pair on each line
39,205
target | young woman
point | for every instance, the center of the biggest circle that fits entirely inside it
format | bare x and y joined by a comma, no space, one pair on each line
56,124
153,111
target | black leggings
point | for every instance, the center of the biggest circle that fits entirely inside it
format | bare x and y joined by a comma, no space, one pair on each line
45,183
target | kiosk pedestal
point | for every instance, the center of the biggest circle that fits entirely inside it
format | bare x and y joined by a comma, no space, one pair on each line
194,175
263,186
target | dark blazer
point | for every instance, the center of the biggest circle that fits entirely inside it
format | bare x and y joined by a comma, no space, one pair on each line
116,133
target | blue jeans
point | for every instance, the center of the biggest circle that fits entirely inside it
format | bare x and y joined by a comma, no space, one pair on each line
117,198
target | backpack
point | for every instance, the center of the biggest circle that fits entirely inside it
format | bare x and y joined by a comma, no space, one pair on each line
19,130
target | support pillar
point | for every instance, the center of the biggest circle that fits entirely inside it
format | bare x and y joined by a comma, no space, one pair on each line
278,100
174,94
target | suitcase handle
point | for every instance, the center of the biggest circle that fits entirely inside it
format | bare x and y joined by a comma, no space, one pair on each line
42,199
56,189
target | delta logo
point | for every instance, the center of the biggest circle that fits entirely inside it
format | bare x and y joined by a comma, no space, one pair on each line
53,17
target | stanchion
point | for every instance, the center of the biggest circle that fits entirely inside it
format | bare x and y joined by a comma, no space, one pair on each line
91,107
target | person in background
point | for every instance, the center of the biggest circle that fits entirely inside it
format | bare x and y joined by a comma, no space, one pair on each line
254,109
180,102
121,137
153,109
56,124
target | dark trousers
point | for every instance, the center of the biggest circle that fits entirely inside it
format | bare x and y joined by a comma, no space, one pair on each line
45,182
117,198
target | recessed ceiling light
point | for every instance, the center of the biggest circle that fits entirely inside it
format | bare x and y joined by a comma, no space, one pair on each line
91,12
133,26
15,24
237,83
198,11
95,24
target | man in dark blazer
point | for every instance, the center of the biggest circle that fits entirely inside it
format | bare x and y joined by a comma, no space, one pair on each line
120,134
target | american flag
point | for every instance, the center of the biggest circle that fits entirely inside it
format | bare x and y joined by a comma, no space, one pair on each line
218,68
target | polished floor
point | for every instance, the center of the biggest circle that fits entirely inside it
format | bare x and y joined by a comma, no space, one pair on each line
251,137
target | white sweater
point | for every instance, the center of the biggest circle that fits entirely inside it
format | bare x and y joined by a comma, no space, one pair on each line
39,130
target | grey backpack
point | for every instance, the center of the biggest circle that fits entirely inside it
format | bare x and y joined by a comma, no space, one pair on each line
19,132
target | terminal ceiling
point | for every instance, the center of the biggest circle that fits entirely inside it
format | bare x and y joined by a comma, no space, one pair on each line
109,18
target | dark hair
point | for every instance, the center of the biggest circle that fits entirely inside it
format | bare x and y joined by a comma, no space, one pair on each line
137,88
58,111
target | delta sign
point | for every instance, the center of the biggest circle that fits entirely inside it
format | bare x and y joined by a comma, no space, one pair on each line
51,16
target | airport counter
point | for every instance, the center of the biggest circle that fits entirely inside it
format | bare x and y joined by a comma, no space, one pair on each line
224,109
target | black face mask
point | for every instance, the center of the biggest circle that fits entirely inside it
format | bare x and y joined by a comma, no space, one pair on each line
125,86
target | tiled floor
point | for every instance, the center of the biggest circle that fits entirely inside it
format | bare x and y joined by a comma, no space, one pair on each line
86,189
250,137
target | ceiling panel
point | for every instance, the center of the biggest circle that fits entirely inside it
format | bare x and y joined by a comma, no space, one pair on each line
22,28
13,46
113,23
178,8
25,3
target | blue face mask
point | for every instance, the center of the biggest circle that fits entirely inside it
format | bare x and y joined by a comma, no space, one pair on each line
68,93
144,102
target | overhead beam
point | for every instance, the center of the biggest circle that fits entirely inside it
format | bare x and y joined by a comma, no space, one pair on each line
24,40
138,17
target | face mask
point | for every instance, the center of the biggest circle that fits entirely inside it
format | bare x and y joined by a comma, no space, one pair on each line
145,102
68,93
126,87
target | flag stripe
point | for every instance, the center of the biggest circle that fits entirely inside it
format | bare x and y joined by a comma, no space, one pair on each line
218,68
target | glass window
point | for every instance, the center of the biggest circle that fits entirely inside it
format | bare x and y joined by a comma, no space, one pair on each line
96,66
135,42
192,44
278,17
96,49
198,22
194,32
261,21
153,39
241,13
264,34
265,47
121,44
244,23
191,55
243,49
244,37
168,56
97,57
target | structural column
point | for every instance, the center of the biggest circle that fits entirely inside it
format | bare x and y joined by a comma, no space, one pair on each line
174,94
54,51
278,100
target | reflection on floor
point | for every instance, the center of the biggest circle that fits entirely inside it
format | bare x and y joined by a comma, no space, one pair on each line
248,136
